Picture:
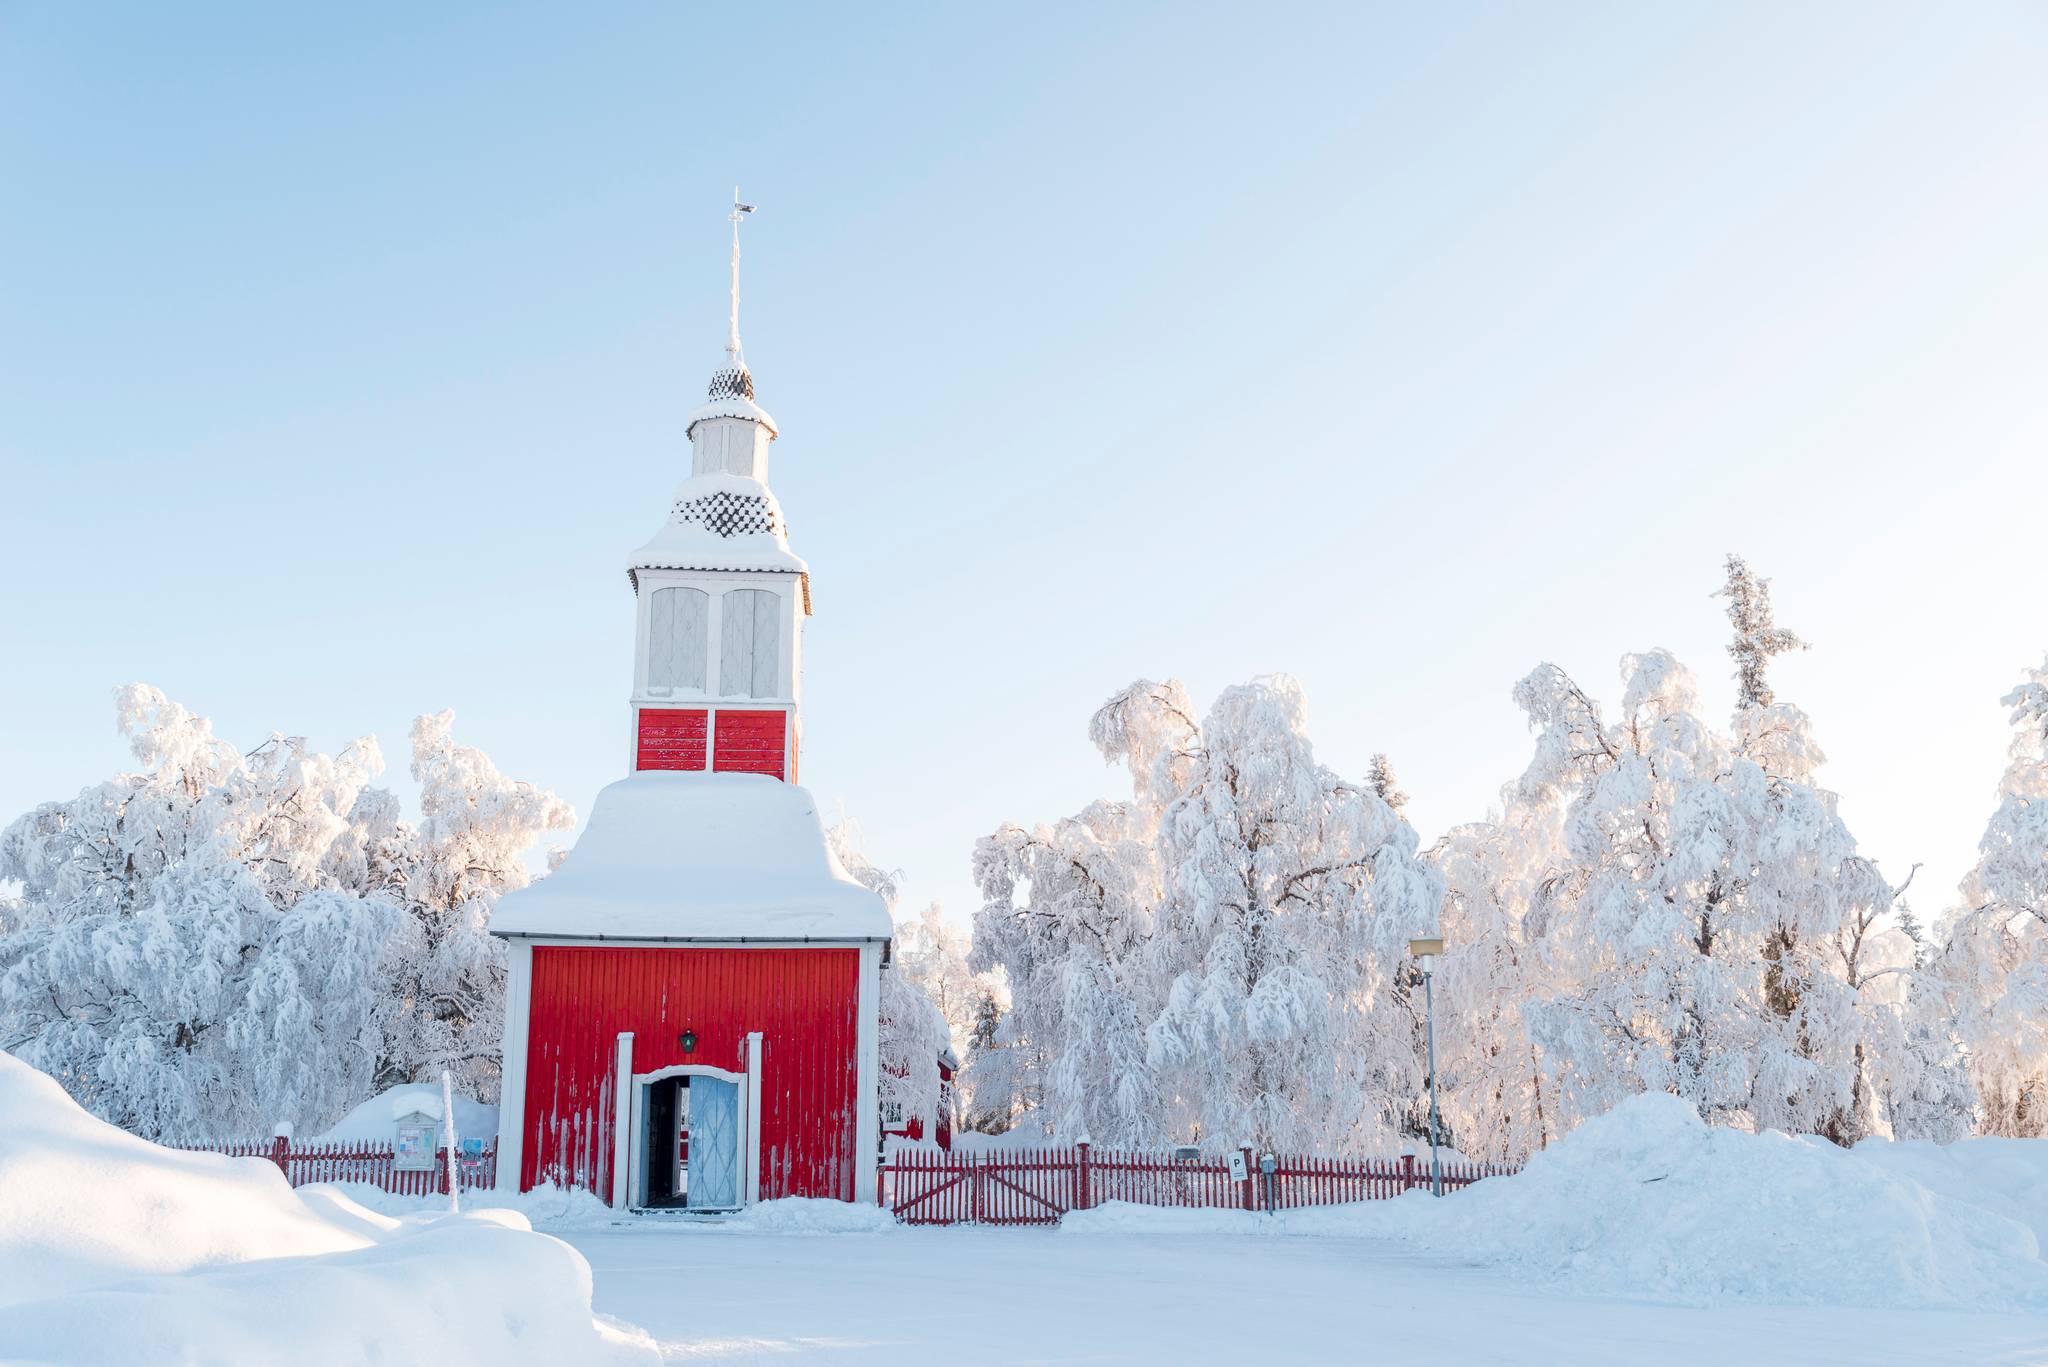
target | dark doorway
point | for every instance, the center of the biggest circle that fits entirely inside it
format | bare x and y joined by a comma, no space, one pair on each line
663,1141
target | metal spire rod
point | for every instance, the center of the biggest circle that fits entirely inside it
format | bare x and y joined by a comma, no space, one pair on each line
732,334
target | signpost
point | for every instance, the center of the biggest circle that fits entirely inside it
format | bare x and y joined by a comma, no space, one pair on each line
1426,952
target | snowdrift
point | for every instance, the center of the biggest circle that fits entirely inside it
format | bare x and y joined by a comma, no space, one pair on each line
542,1207
1649,1201
113,1250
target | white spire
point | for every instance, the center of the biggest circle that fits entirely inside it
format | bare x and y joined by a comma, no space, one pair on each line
734,358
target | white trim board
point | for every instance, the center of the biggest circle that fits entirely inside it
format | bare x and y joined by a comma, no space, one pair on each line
512,1066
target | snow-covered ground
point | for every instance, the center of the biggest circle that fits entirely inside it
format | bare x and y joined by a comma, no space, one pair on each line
1642,1238
997,1296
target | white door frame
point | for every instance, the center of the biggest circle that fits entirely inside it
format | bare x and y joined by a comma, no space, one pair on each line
629,1169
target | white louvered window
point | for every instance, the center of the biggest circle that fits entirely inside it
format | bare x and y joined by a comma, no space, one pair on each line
677,639
750,644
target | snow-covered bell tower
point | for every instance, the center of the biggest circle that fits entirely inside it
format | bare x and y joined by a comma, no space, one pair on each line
692,999
721,597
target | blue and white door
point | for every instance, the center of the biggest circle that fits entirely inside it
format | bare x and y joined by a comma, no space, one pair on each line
714,1144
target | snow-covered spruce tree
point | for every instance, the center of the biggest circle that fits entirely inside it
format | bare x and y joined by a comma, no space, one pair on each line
201,949
442,1005
999,1073
1990,977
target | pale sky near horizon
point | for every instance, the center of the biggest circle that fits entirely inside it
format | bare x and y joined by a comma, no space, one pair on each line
344,353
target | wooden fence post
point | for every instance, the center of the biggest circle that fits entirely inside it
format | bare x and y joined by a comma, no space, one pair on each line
1082,1200
277,1155
1407,1172
1251,1178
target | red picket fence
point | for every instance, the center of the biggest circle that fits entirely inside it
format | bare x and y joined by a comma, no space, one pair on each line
1037,1187
305,1164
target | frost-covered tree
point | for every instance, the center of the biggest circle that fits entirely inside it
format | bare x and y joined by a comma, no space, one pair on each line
1289,896
912,1030
443,1002
1498,1098
1715,925
999,1073
1990,976
931,952
204,948
1064,919
1758,637
1221,956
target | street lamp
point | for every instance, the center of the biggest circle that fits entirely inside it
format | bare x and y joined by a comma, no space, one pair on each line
1426,952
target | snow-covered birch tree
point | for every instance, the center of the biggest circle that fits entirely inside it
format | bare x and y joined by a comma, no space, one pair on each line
205,947
1221,956
1289,895
1718,934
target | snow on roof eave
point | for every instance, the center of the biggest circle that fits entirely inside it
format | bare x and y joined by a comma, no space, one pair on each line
731,408
733,858
695,939
804,575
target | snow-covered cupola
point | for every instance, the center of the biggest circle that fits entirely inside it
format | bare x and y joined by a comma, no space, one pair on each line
722,598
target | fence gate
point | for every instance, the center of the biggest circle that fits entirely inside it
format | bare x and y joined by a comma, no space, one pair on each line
937,1188
1038,1186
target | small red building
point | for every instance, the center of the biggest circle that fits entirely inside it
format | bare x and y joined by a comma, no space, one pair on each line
911,1128
691,998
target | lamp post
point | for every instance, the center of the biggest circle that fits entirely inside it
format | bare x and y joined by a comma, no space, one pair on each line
1426,952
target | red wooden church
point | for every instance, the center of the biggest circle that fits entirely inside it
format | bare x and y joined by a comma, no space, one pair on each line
691,1004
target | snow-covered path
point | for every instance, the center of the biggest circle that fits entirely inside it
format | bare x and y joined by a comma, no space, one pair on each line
989,1296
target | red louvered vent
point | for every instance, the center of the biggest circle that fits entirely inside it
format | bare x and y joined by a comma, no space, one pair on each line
750,742
670,739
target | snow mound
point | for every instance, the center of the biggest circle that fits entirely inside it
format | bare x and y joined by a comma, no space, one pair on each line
83,1204
1648,1200
2009,1176
544,1207
376,1120
808,1215
113,1250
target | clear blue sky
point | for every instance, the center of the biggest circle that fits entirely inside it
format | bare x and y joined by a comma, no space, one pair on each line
344,354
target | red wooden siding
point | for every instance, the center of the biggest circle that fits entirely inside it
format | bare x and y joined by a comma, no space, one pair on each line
670,738
750,742
803,1001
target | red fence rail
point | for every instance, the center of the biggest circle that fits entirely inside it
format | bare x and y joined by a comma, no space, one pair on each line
375,1164
1038,1186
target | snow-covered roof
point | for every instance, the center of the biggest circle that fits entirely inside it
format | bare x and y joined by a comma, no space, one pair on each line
376,1118
720,522
698,856
730,406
